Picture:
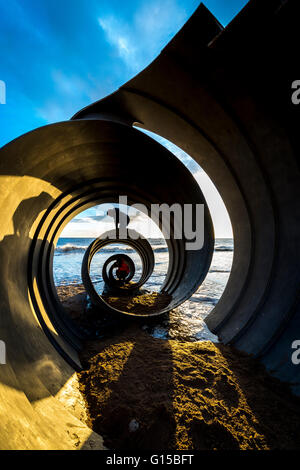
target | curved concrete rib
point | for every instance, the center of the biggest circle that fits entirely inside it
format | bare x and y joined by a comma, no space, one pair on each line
48,176
224,97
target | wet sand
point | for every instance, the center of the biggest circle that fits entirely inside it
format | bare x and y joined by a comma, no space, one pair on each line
149,393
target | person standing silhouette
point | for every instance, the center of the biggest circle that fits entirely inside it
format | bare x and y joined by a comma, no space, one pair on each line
121,219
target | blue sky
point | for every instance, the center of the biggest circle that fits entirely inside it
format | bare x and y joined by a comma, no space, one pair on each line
57,56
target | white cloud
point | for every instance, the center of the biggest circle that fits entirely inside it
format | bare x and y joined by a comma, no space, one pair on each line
71,93
118,37
87,226
87,220
52,112
153,25
70,85
82,231
219,214
160,20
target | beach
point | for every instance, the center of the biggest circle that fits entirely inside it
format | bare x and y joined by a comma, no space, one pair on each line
166,382
187,321
150,387
144,393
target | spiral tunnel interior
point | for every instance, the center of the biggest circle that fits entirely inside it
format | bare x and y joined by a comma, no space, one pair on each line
134,240
211,92
105,162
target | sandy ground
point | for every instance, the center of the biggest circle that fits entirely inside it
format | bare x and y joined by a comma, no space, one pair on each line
149,393
143,303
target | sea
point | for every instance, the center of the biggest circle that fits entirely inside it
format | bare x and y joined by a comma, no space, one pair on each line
184,323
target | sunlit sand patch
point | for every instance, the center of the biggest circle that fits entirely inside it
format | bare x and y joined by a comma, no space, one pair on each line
142,303
183,396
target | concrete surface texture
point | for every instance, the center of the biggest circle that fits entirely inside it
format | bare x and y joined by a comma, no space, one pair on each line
223,96
134,240
48,176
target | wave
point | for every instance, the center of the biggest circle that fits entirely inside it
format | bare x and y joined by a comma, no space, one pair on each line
204,299
69,247
223,248
219,271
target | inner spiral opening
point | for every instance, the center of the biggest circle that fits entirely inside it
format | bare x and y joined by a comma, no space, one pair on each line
109,287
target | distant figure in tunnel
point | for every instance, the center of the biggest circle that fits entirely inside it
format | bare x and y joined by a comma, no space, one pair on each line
123,269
